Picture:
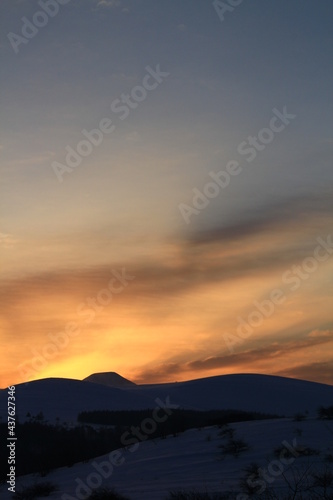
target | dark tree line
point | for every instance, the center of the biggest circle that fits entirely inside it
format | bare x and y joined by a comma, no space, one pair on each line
41,447
178,421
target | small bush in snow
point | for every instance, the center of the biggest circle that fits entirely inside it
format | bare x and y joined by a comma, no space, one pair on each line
325,413
234,447
323,479
252,474
227,432
302,451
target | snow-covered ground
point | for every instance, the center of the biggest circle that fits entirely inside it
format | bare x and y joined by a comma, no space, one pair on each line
193,460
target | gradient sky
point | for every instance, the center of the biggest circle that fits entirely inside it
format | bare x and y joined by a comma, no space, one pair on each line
60,241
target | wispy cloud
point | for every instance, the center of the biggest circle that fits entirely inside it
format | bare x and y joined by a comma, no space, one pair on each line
250,358
317,372
271,217
108,3
7,240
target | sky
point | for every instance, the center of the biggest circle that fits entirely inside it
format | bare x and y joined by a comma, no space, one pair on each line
166,189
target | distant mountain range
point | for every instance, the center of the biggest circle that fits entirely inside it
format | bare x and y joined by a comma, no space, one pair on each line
65,398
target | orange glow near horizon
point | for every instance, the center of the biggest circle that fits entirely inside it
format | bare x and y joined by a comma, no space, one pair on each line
171,322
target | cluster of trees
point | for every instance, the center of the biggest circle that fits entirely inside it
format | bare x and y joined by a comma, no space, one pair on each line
41,447
180,420
325,413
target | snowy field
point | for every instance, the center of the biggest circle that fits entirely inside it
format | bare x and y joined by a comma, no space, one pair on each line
193,460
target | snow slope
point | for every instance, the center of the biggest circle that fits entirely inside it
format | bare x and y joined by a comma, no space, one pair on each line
65,398
263,393
193,460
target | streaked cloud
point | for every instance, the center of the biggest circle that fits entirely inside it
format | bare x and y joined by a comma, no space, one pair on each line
108,3
233,363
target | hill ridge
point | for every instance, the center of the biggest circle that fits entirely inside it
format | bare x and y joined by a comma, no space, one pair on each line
110,379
